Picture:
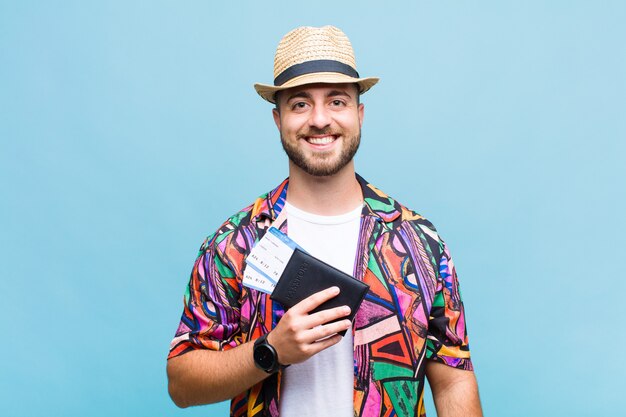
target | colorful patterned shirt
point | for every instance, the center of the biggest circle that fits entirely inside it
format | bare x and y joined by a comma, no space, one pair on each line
412,313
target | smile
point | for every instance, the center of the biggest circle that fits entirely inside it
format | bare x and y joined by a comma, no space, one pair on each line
320,140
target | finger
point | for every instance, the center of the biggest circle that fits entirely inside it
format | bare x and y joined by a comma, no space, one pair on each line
324,316
324,344
314,300
321,332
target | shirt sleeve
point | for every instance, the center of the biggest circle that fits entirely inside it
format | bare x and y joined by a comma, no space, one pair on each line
447,341
211,311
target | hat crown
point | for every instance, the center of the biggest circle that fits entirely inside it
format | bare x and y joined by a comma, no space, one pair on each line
308,43
311,55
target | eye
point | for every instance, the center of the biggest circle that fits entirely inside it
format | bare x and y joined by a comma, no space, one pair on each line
299,105
337,103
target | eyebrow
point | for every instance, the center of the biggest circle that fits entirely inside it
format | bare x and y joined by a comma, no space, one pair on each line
304,94
301,94
335,93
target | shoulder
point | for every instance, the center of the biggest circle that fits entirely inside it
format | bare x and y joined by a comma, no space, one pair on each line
243,221
236,236
401,219
425,229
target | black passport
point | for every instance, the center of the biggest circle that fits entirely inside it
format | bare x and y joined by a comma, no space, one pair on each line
305,275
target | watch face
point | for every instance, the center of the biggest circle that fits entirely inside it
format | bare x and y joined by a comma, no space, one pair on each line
264,356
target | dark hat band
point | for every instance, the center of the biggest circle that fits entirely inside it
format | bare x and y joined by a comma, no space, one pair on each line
320,65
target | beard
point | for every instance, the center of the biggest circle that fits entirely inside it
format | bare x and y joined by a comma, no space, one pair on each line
321,164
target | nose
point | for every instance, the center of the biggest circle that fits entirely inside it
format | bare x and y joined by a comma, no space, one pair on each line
320,117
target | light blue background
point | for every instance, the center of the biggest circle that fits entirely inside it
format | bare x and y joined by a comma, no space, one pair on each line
130,130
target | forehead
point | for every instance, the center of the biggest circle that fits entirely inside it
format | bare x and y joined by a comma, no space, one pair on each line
349,89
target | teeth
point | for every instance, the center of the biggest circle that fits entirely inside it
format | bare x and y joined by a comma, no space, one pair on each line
321,141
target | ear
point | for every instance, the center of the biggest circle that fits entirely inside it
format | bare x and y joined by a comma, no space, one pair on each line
276,115
361,112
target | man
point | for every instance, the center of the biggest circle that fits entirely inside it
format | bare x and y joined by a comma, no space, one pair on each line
234,342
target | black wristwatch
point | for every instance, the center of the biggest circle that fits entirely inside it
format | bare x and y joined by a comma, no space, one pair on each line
265,356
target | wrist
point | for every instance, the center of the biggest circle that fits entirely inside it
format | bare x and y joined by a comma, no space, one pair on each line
265,355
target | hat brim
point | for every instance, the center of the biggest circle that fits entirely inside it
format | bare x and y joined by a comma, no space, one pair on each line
268,92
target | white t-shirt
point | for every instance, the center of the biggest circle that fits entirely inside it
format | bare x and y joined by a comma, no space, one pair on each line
322,385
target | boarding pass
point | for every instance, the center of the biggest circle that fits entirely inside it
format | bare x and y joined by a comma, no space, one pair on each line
267,260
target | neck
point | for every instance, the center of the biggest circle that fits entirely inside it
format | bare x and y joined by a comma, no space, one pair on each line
326,196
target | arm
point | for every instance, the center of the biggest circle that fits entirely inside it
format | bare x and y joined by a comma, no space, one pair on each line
205,376
449,369
455,391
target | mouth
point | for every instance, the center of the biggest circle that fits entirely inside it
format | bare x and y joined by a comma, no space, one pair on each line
320,140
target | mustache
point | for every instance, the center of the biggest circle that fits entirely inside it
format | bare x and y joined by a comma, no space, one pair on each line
318,132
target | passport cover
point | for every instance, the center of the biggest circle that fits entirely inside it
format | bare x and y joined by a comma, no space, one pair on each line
305,275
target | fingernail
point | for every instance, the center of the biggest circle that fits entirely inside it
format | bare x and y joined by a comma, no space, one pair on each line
334,290
346,309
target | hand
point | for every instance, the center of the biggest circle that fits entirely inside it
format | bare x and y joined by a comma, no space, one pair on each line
300,335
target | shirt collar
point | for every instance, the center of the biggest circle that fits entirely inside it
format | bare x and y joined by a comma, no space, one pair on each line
377,204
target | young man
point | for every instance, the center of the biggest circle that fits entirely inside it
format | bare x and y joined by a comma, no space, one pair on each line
411,323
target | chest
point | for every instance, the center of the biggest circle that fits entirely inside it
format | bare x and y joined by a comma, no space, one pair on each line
399,269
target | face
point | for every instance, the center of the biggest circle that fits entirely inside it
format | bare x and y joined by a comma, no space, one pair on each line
320,126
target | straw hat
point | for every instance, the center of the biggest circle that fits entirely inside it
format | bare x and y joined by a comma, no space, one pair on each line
308,55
